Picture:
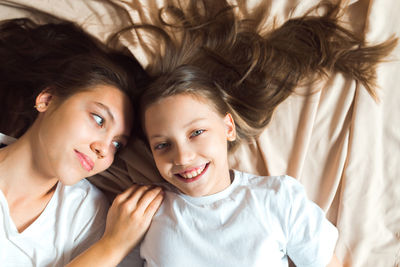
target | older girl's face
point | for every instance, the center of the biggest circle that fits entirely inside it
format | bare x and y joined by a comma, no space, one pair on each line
78,137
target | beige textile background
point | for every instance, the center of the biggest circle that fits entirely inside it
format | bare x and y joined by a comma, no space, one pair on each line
339,143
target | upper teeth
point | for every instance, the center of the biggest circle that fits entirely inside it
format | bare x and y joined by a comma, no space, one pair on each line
192,174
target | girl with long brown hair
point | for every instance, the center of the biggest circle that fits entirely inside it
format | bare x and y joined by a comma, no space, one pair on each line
218,80
68,99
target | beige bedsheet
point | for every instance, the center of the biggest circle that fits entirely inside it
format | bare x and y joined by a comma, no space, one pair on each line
343,146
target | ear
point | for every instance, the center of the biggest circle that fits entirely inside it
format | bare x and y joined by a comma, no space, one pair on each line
43,100
230,127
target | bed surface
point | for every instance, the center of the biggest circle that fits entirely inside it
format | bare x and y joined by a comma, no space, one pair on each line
339,143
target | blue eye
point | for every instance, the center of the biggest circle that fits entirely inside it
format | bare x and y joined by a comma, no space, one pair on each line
197,132
99,120
117,145
161,146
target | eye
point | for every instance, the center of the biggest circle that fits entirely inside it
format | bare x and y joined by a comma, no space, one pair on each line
98,119
197,132
161,146
117,145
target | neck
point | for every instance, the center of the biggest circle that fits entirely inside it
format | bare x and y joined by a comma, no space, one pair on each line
21,175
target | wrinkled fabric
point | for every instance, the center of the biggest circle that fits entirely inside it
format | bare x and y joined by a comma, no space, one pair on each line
334,138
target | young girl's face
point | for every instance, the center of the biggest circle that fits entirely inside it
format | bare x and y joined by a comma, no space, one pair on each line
188,139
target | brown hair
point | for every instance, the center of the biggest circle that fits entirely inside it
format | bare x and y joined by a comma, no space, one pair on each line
245,69
58,57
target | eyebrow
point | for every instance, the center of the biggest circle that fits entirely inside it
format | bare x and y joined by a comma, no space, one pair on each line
109,114
185,126
106,109
193,121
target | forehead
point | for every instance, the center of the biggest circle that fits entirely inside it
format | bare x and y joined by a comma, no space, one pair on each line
178,109
101,91
110,97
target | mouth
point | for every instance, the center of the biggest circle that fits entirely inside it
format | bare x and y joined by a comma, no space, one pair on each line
193,174
85,161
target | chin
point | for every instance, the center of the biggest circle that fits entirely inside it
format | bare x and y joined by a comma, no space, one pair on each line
70,180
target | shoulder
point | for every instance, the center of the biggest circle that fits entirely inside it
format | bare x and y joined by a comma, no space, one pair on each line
310,237
85,190
278,185
84,197
83,209
283,196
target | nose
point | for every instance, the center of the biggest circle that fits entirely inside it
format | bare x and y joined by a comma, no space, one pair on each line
100,148
183,155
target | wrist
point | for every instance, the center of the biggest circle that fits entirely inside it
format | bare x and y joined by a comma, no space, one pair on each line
102,253
111,252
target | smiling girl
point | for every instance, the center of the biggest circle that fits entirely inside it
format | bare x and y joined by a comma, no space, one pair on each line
213,215
68,100
219,79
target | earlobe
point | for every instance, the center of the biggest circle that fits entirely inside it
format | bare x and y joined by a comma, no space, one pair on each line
43,100
230,127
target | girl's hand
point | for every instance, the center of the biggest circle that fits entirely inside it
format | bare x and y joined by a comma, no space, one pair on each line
130,216
128,219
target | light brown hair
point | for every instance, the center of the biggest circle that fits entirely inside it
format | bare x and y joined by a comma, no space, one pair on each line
206,49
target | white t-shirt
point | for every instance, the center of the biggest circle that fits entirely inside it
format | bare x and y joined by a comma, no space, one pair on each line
72,221
256,221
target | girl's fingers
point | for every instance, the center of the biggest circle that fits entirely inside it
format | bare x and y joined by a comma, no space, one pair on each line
151,198
124,195
131,202
143,200
154,205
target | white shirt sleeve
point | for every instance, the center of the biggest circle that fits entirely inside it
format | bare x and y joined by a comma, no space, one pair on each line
311,237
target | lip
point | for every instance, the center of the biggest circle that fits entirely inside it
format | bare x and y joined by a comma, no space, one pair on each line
85,161
191,180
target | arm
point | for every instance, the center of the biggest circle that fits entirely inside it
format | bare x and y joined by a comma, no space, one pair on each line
335,262
128,219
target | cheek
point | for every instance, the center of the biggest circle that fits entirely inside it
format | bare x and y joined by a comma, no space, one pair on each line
104,164
162,164
216,145
70,127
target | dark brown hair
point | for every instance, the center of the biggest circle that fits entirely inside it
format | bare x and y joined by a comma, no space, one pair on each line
58,57
246,69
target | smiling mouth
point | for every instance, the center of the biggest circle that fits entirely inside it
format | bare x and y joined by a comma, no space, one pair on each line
85,161
193,174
